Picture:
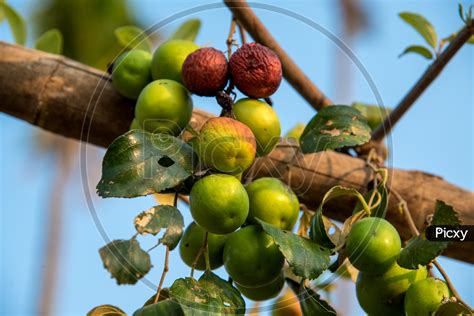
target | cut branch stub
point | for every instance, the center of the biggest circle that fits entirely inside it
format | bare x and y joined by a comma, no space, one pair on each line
334,127
140,163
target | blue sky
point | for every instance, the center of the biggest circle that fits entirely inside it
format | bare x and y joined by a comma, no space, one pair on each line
436,136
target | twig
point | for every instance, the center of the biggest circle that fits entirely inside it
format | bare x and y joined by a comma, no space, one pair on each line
206,252
230,38
184,198
194,264
292,73
426,79
243,33
450,284
165,270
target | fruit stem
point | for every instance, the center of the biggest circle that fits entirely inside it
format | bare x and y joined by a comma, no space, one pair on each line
230,38
206,253
165,270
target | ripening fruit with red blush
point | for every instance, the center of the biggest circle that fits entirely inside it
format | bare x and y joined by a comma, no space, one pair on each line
255,70
205,71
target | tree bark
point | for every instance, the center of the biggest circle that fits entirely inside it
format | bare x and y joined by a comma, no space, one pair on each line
73,100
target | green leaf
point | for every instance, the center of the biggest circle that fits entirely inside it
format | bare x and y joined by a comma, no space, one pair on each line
51,42
2,15
106,310
419,250
422,26
318,231
140,163
461,12
334,127
417,49
168,307
209,295
125,260
16,22
306,258
158,217
132,37
188,30
452,307
312,304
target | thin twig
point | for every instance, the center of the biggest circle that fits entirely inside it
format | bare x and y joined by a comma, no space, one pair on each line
194,264
420,86
206,252
243,33
450,284
292,73
165,270
230,38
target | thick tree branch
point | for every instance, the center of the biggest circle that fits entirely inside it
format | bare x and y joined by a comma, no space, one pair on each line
77,101
420,86
292,73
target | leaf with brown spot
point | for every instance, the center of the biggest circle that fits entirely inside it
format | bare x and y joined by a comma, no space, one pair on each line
334,127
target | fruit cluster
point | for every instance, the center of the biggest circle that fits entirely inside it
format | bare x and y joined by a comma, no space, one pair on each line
223,208
383,287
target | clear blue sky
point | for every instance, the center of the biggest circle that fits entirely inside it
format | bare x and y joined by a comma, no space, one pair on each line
435,136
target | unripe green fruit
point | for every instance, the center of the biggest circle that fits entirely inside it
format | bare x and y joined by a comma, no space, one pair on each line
383,294
425,297
226,145
131,73
192,242
273,202
296,132
373,245
251,257
135,125
263,292
374,114
262,120
219,203
164,106
168,59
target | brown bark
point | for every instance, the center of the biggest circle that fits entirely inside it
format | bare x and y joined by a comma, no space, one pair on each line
77,101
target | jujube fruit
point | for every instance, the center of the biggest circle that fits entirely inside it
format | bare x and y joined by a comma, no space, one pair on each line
373,245
262,120
273,202
131,73
255,70
205,71
265,291
169,57
219,203
251,257
425,297
226,145
164,106
383,294
192,242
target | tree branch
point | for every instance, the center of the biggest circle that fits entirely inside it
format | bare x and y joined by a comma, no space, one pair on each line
420,86
292,73
71,99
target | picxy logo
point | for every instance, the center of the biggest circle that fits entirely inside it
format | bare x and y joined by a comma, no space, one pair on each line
450,233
